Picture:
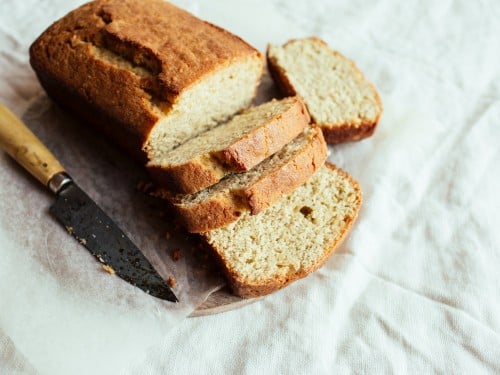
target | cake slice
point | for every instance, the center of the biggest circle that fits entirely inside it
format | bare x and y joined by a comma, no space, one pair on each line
145,73
252,191
339,98
235,146
261,254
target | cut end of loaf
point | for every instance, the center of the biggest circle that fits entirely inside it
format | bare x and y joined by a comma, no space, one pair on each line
338,96
261,254
206,104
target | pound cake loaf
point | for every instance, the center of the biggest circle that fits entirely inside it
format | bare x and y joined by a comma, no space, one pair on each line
252,191
145,73
338,96
235,146
261,254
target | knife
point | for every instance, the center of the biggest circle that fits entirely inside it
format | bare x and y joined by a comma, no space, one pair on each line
80,215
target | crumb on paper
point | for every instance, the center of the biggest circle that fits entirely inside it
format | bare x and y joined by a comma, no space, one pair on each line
140,185
176,254
69,229
108,269
144,187
83,241
100,259
177,226
171,281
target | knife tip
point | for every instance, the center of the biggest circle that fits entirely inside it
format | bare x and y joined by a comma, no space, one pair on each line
165,293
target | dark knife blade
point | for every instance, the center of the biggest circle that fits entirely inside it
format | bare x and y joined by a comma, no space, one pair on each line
90,225
78,213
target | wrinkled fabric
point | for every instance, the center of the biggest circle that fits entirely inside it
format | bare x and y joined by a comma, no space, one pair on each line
414,289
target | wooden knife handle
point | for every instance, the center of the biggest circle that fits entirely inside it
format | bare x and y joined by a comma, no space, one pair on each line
22,145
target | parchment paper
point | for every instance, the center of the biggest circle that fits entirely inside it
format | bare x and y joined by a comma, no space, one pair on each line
102,302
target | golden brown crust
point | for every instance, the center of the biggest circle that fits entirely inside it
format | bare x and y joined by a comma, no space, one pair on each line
283,181
279,76
225,208
334,133
189,177
200,47
88,113
246,289
348,133
240,156
151,34
262,142
211,213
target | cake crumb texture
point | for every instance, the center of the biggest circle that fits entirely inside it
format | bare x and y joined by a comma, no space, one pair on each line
261,254
338,96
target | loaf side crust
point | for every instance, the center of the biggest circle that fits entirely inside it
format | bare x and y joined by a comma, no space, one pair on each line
333,132
245,289
240,156
250,150
340,133
285,180
189,177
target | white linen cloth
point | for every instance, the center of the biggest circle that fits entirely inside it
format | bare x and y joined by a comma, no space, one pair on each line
415,288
